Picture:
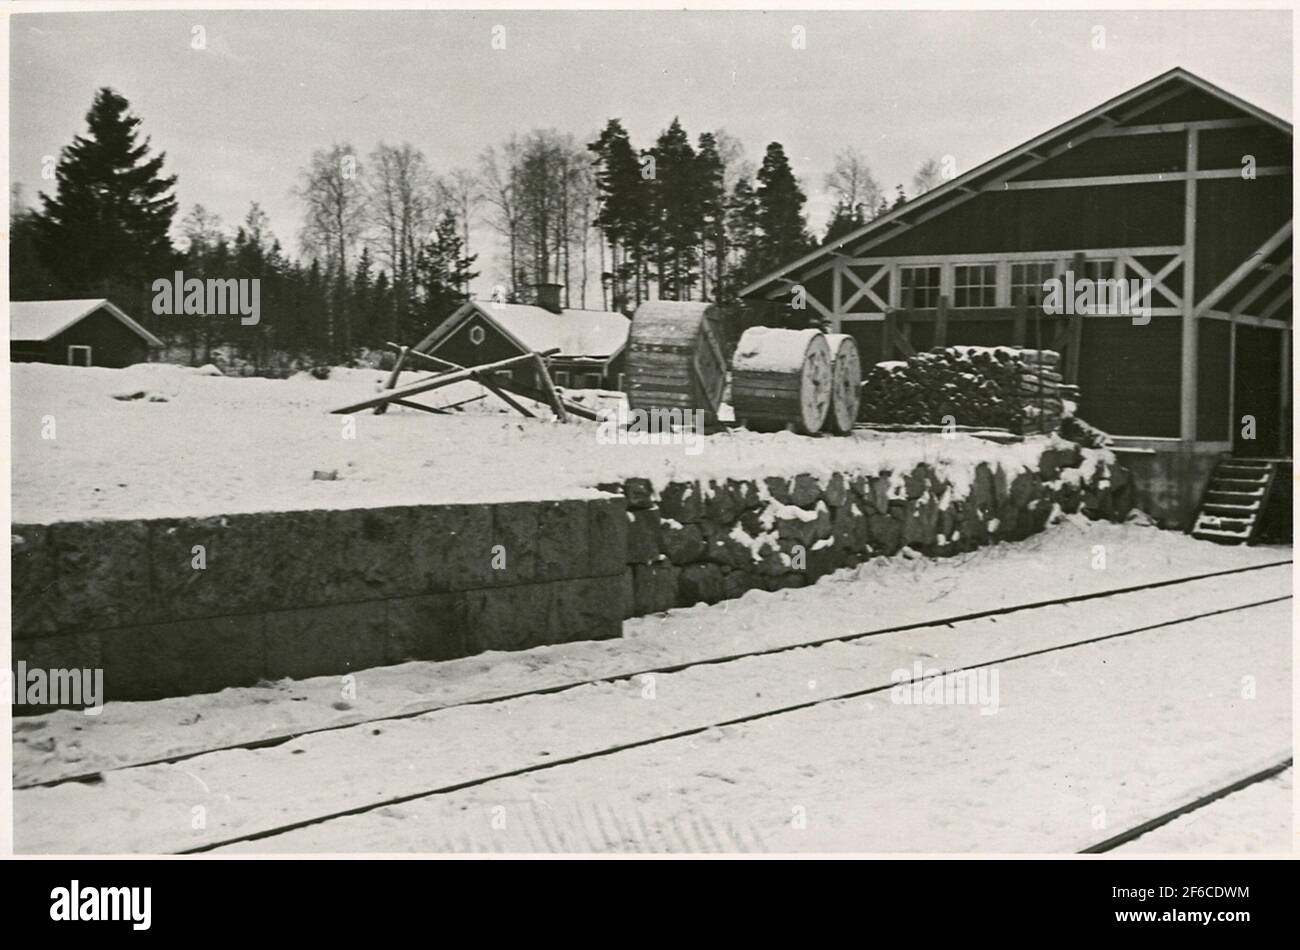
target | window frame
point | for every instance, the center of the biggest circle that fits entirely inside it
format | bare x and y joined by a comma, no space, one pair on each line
1044,265
904,284
988,289
90,354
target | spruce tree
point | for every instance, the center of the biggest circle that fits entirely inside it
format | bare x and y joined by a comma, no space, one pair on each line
712,200
676,212
107,225
780,211
624,214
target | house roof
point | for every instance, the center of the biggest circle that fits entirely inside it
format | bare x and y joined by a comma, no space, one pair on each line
42,320
594,333
1022,158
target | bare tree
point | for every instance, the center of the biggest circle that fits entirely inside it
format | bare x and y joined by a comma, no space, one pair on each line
403,206
929,175
462,192
332,190
500,182
851,183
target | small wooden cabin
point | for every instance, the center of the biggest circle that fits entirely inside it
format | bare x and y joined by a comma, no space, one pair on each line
92,332
590,342
1176,182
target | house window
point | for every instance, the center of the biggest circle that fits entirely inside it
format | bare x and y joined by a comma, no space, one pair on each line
591,381
78,356
923,282
974,285
1028,279
477,335
561,377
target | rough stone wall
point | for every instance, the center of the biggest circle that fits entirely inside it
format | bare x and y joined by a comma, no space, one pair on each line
711,541
309,593
179,606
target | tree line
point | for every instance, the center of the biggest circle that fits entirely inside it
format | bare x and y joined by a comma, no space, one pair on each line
384,245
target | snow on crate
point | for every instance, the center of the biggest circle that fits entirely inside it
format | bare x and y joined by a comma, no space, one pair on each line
224,445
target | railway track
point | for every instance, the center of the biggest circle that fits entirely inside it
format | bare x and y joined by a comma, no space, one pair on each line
718,723
1196,804
266,742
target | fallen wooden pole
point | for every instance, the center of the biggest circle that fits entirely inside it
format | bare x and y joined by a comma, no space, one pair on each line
445,379
392,377
509,385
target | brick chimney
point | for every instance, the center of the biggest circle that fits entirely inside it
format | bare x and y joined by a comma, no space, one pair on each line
548,296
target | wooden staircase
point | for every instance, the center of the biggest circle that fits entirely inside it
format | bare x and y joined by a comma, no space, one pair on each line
1235,500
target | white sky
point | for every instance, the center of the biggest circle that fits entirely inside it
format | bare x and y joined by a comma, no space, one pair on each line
238,119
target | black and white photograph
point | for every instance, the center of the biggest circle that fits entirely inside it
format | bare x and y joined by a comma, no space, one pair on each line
650,432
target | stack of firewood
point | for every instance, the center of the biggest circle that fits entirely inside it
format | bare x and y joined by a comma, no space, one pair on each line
1016,389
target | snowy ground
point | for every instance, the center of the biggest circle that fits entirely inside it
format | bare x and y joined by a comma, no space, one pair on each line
1112,732
232,445
1255,820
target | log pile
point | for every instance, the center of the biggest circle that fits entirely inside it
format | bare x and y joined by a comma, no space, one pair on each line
1017,389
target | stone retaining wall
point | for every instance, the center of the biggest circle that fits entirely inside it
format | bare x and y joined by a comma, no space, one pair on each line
180,606
712,541
308,593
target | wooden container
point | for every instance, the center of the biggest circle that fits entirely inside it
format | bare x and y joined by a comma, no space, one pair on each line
846,383
781,379
675,358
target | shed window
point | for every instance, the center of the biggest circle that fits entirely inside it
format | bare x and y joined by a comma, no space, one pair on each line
923,282
477,335
591,380
561,377
975,285
79,356
1028,279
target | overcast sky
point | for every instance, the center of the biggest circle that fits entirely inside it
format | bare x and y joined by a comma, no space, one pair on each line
239,119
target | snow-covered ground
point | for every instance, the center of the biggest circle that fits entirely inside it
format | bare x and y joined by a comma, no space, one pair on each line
155,440
1255,820
1132,726
883,593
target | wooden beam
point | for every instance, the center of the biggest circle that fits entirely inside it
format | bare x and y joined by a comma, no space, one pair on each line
1277,304
1099,181
445,379
489,382
1242,270
408,404
392,377
1021,321
1259,289
1155,250
548,387
1189,363
941,322
1160,128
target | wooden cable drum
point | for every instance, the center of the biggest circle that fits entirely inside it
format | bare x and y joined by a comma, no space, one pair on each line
846,383
675,358
781,378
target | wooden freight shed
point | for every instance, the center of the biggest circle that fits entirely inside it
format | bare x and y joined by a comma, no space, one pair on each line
91,332
1176,182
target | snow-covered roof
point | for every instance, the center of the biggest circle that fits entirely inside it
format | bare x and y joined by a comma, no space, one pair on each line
41,320
595,333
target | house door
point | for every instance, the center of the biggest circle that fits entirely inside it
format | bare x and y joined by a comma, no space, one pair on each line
1257,392
78,356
